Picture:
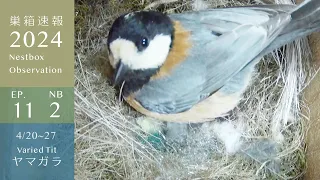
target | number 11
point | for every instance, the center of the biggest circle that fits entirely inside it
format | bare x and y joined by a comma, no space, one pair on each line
18,109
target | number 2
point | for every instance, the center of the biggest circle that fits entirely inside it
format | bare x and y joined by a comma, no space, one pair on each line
44,39
53,115
18,36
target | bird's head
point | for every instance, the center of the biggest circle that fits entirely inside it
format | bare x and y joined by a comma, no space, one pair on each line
138,44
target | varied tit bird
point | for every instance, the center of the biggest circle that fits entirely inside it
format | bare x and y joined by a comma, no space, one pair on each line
195,66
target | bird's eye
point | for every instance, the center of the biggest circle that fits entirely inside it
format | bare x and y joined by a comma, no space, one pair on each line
144,42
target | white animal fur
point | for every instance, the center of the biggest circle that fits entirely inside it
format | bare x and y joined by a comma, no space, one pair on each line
229,135
152,57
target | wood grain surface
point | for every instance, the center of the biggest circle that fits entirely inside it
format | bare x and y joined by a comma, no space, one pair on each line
312,95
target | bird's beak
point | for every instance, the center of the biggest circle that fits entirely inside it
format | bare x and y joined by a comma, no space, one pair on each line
120,73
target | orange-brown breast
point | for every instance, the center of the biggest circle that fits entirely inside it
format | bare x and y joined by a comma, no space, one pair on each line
216,105
178,52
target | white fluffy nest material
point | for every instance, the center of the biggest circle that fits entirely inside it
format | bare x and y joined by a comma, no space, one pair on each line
263,138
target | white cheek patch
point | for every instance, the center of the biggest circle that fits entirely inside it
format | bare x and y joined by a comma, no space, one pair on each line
122,49
155,54
152,57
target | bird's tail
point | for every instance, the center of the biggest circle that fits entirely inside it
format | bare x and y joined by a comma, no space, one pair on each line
305,19
306,8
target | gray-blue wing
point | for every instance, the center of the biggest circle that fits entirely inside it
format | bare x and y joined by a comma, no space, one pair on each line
213,59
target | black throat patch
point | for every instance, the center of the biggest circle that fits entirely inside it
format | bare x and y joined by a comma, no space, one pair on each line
135,79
